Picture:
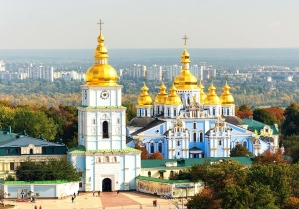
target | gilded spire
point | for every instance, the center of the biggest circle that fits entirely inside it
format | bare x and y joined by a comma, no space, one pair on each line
185,80
144,98
226,97
212,98
173,98
162,95
101,73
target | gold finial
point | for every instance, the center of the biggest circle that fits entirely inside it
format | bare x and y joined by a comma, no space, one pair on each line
185,38
100,23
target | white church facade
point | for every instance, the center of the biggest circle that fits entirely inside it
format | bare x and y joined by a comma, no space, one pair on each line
102,155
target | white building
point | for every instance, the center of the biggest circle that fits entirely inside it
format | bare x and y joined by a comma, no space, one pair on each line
102,155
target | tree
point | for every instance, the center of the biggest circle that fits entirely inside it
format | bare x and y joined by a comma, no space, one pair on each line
156,155
130,111
291,203
203,200
290,125
276,112
269,157
35,123
243,111
52,169
262,115
144,152
240,150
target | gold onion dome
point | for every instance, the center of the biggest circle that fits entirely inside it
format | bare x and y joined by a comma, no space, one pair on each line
185,80
101,74
203,95
227,98
161,97
173,98
144,98
212,98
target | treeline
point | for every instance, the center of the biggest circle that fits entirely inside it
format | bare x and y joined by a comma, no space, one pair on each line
271,182
36,121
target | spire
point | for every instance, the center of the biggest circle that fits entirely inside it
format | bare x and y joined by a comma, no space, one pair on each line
162,95
144,98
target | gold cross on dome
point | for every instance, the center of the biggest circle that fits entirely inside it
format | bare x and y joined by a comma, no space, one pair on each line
226,78
162,77
185,38
100,23
144,79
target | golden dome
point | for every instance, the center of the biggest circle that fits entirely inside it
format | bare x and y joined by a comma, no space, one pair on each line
101,74
173,98
212,98
226,98
203,95
160,98
144,98
185,80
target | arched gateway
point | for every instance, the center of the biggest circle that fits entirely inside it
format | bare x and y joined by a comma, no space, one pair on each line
106,185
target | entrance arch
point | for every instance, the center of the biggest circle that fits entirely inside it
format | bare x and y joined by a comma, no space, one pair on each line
106,185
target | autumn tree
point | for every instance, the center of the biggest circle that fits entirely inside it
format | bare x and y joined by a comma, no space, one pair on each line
144,152
243,111
276,112
269,157
240,150
156,155
203,200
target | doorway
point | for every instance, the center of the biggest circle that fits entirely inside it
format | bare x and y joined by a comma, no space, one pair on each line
106,185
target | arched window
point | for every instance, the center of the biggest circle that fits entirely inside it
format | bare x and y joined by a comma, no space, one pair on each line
188,100
99,159
174,112
222,111
219,142
145,112
107,158
227,111
31,151
171,173
245,143
180,172
194,125
93,121
152,147
115,159
201,136
118,120
149,174
160,147
158,109
178,143
105,130
194,137
168,112
214,111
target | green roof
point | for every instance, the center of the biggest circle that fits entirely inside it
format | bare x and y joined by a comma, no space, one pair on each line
81,149
254,125
163,180
185,163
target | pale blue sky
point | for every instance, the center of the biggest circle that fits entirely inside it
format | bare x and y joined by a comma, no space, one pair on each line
71,24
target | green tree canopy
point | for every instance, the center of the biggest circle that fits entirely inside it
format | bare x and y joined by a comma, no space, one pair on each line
262,115
52,169
240,150
290,125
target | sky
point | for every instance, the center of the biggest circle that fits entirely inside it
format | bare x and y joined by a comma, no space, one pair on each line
72,24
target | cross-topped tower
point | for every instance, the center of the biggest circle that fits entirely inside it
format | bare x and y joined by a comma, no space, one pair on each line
100,23
185,38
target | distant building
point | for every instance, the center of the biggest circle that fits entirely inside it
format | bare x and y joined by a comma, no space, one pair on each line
2,65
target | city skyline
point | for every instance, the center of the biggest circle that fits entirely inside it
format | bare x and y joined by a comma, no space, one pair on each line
155,24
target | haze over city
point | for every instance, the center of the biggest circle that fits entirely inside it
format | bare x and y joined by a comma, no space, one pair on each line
128,24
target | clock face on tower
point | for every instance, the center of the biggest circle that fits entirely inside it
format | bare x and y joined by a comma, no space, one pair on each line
104,94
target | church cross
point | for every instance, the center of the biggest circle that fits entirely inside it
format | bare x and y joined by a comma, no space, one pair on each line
100,23
185,38
144,79
22,194
212,78
226,78
162,77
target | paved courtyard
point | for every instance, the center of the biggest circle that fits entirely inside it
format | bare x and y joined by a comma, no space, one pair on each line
107,200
